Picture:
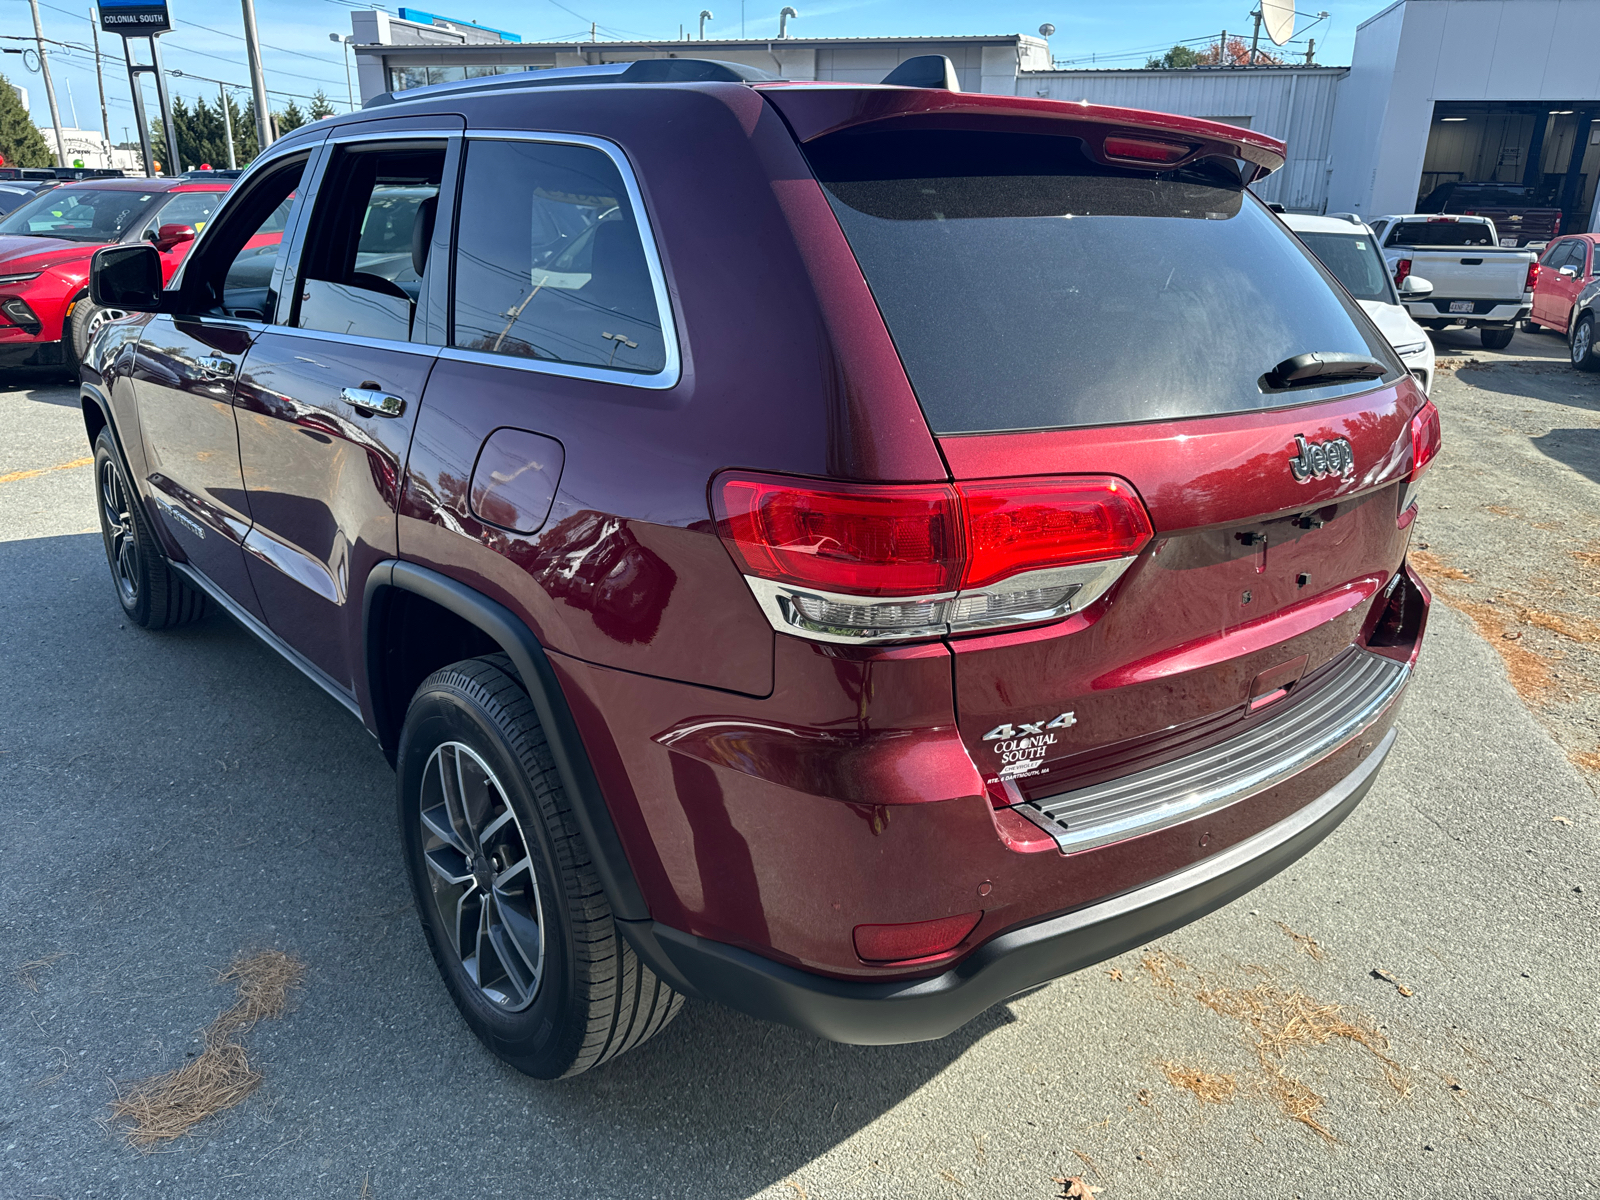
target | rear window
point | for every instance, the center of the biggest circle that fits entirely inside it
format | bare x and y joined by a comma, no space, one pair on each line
1440,233
1355,261
1028,287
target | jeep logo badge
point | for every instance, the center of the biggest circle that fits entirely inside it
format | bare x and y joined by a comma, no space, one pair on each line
1318,460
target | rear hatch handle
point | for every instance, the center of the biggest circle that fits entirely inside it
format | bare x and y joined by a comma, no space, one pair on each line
1317,368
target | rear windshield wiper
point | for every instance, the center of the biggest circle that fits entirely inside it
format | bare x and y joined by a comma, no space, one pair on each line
1317,369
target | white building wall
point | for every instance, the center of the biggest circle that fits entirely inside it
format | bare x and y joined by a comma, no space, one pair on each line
1295,104
1417,52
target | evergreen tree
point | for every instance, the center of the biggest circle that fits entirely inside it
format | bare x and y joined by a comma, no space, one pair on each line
20,140
290,118
321,106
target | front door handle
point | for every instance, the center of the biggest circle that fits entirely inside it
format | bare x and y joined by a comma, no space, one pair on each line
373,401
214,366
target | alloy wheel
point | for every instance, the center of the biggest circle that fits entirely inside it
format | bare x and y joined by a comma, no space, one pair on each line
1581,337
484,887
122,546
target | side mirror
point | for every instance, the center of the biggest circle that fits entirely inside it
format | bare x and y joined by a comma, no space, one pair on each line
1415,288
126,277
169,236
1568,272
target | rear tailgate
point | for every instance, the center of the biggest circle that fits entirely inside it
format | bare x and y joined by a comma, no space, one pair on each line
1062,310
1490,274
1252,585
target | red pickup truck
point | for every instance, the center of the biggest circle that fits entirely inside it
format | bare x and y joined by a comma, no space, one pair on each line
46,317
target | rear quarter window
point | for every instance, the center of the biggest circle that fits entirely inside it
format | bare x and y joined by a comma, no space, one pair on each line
1027,286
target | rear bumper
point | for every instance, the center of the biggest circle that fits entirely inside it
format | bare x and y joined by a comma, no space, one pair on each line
1485,312
870,1013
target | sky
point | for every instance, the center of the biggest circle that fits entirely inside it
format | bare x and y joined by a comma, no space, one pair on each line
298,57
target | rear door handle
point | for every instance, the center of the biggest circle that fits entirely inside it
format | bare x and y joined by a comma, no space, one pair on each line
216,367
373,401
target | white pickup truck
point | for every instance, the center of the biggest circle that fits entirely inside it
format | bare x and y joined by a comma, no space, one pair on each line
1476,282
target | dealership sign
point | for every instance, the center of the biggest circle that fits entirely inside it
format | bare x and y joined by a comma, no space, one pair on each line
134,18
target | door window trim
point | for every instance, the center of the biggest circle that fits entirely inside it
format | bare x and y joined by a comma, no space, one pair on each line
672,369
425,335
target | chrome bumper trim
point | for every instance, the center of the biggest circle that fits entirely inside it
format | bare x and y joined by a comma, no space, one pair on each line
1264,756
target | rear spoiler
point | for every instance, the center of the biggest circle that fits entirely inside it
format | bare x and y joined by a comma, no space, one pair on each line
1123,137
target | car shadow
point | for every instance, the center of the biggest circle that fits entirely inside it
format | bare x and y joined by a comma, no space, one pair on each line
45,385
174,798
1578,448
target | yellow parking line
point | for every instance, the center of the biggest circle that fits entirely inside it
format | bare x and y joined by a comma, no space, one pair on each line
66,466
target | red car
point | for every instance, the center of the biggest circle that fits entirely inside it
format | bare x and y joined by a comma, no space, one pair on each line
850,552
45,247
1567,266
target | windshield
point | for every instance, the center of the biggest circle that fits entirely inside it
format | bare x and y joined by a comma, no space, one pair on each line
80,214
1028,287
1441,233
1355,261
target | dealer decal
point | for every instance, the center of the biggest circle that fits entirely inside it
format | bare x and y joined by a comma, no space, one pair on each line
1022,747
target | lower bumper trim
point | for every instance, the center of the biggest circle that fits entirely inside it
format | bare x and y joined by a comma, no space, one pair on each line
867,1013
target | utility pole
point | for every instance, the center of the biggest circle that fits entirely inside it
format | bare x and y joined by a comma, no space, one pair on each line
227,123
258,82
1222,50
1311,48
49,87
100,78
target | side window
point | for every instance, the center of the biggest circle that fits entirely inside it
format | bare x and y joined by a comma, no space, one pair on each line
1377,231
193,209
368,240
1555,255
549,260
232,277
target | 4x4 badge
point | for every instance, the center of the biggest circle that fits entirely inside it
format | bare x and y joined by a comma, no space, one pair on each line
1028,729
1317,460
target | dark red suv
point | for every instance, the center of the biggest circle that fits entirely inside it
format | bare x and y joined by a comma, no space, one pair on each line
850,552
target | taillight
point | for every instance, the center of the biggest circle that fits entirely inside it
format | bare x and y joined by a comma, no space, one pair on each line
1557,228
1401,270
891,562
1427,437
894,540
1533,277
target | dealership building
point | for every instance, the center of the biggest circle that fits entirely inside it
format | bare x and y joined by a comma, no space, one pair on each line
1436,91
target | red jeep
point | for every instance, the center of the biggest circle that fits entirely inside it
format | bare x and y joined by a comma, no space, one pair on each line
854,552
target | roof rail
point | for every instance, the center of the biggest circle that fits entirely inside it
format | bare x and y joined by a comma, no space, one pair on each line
1351,217
643,70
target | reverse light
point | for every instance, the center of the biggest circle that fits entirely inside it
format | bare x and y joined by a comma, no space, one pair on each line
1533,277
893,562
918,939
1401,270
1427,438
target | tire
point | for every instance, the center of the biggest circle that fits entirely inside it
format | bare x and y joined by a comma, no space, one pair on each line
1496,339
1532,326
87,317
552,989
151,593
1585,356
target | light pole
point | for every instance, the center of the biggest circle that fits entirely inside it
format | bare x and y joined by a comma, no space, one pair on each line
345,40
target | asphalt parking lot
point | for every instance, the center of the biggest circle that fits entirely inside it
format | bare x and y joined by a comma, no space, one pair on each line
169,800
